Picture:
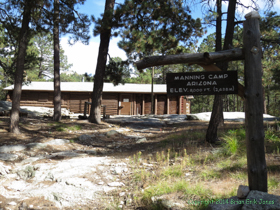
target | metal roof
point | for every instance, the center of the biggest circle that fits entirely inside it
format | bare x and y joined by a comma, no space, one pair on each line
88,87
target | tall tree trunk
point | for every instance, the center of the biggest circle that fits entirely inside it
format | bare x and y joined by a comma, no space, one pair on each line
217,112
57,92
23,42
95,113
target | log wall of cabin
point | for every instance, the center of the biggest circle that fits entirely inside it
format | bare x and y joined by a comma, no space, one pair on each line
75,101
110,100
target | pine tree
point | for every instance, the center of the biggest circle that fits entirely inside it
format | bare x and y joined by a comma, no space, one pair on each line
23,41
156,27
62,18
105,28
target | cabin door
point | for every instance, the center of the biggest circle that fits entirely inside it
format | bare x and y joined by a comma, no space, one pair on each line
126,104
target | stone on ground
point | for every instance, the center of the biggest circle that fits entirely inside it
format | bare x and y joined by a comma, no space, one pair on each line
242,191
261,200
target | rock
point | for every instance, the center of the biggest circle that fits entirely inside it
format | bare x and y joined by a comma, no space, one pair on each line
86,137
49,177
257,200
65,154
135,136
191,117
111,133
4,170
142,140
119,170
23,206
77,182
17,185
12,148
122,130
58,142
233,203
27,173
8,157
242,191
30,160
91,152
56,196
110,146
121,194
6,105
36,146
116,184
12,203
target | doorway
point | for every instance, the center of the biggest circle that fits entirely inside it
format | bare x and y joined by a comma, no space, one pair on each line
125,102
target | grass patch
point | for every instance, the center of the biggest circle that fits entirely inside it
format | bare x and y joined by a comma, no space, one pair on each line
239,175
183,139
272,183
234,142
232,165
196,171
210,174
175,171
272,136
272,140
62,127
75,128
188,191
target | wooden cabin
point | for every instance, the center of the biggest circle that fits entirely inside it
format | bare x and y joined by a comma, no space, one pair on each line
127,99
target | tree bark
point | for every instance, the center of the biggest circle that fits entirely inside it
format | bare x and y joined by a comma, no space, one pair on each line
256,164
217,117
23,42
217,112
95,113
57,91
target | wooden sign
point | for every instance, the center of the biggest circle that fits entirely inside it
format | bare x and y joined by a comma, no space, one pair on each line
202,83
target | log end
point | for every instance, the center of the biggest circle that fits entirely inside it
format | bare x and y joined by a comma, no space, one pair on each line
253,14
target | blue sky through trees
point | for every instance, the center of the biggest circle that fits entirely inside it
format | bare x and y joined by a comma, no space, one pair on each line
84,57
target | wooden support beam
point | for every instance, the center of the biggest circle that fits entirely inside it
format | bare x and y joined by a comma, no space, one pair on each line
256,164
180,105
155,107
134,104
143,104
167,104
195,58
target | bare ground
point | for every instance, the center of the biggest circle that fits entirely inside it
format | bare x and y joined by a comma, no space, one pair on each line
117,147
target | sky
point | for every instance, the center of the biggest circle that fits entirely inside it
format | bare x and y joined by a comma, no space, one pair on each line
84,57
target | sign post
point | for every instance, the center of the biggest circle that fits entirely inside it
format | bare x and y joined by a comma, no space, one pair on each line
202,83
256,164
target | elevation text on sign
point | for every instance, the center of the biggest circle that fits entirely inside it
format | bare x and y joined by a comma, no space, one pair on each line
202,83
